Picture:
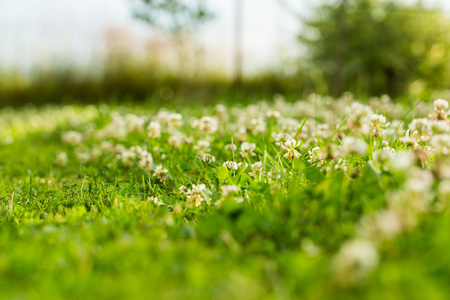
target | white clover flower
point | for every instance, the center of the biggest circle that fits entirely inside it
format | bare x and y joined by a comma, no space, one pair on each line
61,159
410,139
195,198
221,111
415,197
383,225
229,190
256,168
128,157
383,157
289,146
419,180
354,146
310,248
117,128
160,173
194,123
291,143
208,124
440,126
154,130
188,140
230,147
146,161
253,125
441,143
72,138
134,123
83,155
174,120
402,161
155,200
107,146
444,191
273,114
247,149
174,141
377,124
389,224
202,147
198,189
355,261
183,190
377,120
422,126
281,138
358,117
136,150
231,165
440,105
195,194
208,158
315,156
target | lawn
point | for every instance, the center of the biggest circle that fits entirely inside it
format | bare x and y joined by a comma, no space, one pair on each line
319,198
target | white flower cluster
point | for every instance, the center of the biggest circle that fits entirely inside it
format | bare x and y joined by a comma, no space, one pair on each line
196,194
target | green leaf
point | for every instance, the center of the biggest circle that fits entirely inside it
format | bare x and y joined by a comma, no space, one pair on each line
222,173
210,177
244,178
185,166
18,210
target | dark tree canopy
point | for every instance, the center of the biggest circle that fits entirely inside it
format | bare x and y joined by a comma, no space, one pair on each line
376,47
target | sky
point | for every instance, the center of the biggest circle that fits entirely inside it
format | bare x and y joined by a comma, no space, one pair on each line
63,31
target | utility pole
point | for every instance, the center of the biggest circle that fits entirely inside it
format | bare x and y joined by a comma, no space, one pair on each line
238,33
340,50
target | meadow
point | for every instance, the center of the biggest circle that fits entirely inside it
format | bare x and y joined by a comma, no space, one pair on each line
319,198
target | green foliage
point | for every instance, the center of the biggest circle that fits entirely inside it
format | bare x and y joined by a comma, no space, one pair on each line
373,47
174,16
126,79
222,173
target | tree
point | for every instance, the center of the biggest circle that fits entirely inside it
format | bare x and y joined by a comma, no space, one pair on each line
179,20
174,16
375,47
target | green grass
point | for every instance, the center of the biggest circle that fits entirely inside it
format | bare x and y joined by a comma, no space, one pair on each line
88,229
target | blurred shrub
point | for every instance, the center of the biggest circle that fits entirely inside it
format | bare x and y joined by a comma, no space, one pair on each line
130,79
376,47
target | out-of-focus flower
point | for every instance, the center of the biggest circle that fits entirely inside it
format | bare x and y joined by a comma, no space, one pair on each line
61,159
355,261
154,130
440,107
208,124
231,165
229,190
72,138
315,156
247,149
160,173
354,146
289,146
208,158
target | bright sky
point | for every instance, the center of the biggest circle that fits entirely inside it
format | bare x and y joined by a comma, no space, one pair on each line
48,31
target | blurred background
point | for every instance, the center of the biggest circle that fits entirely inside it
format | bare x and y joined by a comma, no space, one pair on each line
54,51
